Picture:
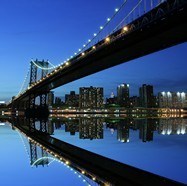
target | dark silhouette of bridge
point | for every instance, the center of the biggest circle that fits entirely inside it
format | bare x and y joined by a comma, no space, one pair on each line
163,26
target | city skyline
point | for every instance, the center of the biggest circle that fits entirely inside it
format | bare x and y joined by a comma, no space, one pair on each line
93,97
115,92
44,30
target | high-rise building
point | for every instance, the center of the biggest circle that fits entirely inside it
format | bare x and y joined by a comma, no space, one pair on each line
112,100
58,101
123,95
172,99
51,98
134,101
72,99
91,97
146,95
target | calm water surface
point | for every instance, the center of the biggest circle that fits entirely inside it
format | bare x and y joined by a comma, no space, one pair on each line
155,145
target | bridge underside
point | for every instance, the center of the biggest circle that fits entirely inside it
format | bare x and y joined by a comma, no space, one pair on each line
151,38
162,33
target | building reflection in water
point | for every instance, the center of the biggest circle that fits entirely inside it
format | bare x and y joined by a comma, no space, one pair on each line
172,126
93,128
147,127
123,131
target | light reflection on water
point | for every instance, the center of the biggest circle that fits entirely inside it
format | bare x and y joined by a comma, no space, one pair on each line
157,145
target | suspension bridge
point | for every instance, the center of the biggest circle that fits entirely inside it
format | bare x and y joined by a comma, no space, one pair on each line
150,26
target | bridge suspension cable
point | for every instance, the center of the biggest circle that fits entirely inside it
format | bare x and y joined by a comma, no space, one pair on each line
139,8
127,16
24,82
44,68
95,35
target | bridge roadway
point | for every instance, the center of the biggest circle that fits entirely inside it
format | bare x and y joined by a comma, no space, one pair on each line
103,170
143,36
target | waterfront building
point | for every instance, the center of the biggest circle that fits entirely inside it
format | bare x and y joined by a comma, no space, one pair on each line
50,98
112,100
91,97
72,99
58,101
123,95
146,95
134,101
172,99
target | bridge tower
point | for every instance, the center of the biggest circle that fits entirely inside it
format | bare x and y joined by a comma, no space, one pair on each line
35,66
44,71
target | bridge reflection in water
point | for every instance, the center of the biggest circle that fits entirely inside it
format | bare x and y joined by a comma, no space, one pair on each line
93,167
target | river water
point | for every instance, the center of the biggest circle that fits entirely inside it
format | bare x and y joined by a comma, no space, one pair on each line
157,145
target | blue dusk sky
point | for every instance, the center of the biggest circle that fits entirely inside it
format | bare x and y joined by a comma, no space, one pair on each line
54,29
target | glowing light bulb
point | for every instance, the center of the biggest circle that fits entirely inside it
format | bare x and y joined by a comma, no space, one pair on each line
107,39
125,28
